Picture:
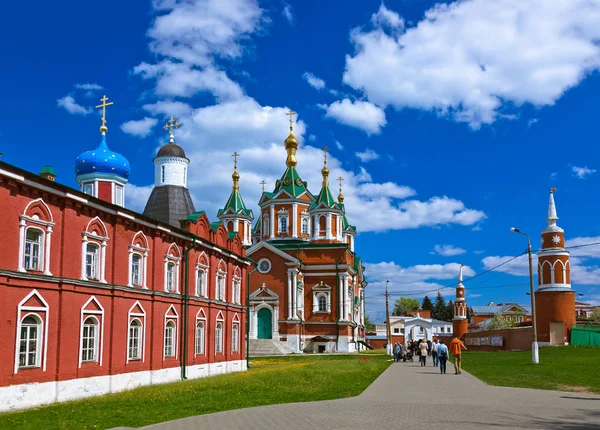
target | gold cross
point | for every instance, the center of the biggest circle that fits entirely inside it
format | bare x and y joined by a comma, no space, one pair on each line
235,155
103,106
325,149
340,179
263,183
291,113
171,124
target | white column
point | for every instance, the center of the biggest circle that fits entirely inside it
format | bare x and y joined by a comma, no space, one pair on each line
276,322
315,226
352,243
347,306
47,260
129,284
164,274
145,269
103,262
21,266
294,217
295,284
289,296
83,250
272,221
328,227
339,228
341,299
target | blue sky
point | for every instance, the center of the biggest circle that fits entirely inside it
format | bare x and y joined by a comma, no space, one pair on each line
449,122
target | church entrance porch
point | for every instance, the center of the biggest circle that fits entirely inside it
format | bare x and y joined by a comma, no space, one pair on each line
265,324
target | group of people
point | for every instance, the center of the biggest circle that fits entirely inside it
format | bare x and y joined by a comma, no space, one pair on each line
438,350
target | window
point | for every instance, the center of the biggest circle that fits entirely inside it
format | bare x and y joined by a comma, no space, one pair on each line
185,175
91,261
162,174
89,340
199,337
136,265
234,338
201,282
420,329
33,247
219,338
264,266
119,196
401,330
220,286
170,339
322,303
304,225
396,330
441,329
171,277
88,189
520,318
30,342
236,291
135,340
283,228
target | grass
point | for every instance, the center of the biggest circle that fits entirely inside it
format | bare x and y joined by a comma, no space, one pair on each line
566,368
374,351
269,381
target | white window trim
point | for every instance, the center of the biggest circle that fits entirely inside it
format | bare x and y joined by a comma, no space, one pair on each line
100,339
202,268
235,340
96,340
143,252
200,317
320,290
220,287
175,261
24,223
142,317
33,310
220,320
41,256
101,241
175,319
236,293
283,214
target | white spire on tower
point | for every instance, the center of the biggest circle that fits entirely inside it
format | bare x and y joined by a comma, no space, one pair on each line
552,216
460,278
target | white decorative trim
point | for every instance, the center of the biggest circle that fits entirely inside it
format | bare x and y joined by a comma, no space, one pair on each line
43,329
100,340
176,337
130,317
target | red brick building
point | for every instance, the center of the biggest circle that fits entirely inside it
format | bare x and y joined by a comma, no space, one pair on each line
97,298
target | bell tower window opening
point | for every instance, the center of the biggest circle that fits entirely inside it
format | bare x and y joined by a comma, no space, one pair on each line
304,225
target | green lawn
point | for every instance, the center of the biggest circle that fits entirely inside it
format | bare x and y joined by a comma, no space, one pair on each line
567,368
374,351
269,381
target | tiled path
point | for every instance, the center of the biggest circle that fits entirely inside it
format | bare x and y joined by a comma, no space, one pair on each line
408,396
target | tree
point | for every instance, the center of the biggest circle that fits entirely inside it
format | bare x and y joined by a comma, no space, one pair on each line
439,307
596,315
427,304
368,324
498,322
404,305
449,311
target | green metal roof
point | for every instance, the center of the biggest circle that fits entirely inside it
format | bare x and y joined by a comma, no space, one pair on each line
257,226
325,198
232,234
48,169
291,183
194,216
215,225
236,205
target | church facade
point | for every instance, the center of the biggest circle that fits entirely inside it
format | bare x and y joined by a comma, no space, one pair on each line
97,298
307,291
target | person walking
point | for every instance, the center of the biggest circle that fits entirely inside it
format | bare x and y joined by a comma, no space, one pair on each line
434,352
428,347
397,351
456,347
423,351
442,356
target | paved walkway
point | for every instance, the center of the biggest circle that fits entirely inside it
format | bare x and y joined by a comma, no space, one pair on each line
409,396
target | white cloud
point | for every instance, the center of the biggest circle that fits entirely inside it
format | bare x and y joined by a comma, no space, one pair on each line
70,105
448,250
313,81
89,87
312,137
136,197
139,128
553,176
582,172
387,189
359,114
338,145
287,13
474,60
367,155
478,251
385,17
473,296
168,108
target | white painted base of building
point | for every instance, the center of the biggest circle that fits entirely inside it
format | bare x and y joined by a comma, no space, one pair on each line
23,396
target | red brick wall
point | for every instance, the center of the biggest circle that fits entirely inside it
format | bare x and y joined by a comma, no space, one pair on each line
513,339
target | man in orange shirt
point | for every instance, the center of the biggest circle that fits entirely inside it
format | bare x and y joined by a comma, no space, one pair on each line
456,347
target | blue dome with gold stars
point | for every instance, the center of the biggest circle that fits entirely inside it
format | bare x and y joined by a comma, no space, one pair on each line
102,160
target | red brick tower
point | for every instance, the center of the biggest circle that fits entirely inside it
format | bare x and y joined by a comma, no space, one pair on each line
460,325
554,298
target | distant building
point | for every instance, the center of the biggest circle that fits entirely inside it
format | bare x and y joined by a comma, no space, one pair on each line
583,310
479,316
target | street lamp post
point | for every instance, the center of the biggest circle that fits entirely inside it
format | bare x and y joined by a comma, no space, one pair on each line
388,332
534,346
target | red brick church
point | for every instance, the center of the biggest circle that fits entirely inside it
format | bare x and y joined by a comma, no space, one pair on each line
97,298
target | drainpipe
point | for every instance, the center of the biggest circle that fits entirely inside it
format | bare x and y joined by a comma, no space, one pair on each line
186,302
337,320
248,312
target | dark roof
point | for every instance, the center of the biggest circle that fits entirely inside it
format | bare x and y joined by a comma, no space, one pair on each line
170,204
171,150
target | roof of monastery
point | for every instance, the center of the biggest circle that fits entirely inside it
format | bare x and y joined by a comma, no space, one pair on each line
291,183
169,203
494,309
102,160
171,150
235,204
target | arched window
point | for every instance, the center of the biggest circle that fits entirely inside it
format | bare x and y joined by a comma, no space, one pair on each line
220,287
33,249
201,282
199,337
92,260
322,303
89,340
283,224
235,340
219,338
170,339
135,340
136,269
30,341
304,225
171,277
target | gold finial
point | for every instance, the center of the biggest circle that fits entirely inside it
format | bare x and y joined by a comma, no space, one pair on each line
263,183
169,126
325,149
235,176
552,189
340,195
103,127
291,113
325,170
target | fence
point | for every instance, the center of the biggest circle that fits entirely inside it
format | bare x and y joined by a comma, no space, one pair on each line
587,335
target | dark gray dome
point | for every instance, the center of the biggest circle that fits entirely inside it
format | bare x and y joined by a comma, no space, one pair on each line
171,150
